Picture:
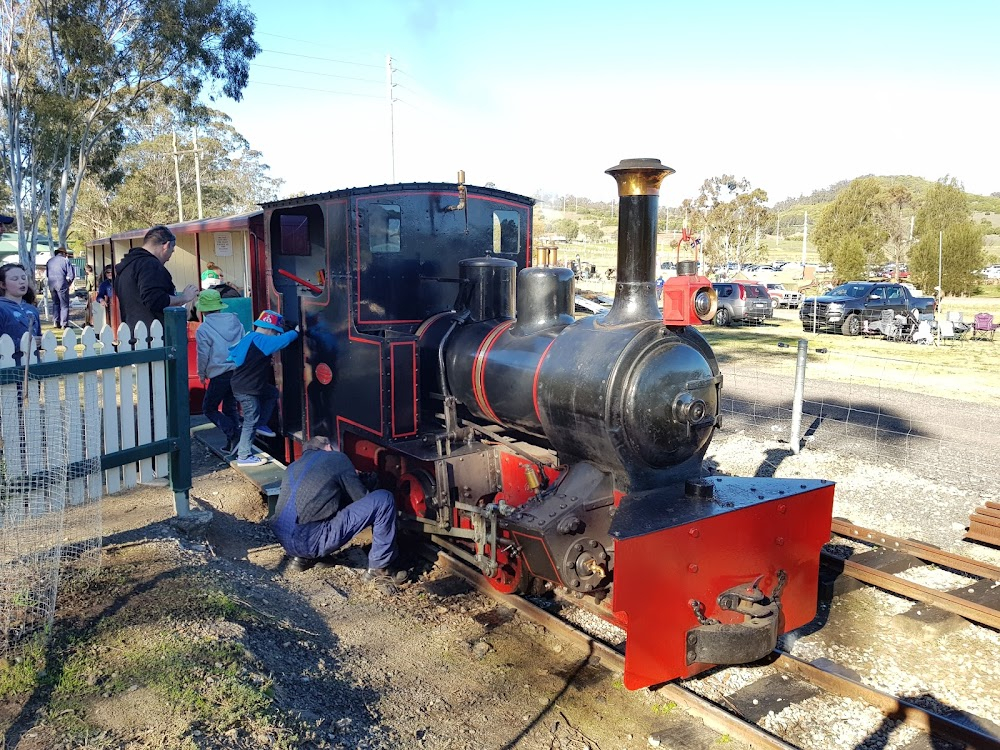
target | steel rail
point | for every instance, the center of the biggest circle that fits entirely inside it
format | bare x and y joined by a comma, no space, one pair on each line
713,716
721,720
893,707
972,611
917,549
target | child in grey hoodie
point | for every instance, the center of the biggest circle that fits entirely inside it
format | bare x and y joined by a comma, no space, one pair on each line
217,333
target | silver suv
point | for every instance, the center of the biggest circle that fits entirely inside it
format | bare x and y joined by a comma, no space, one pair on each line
742,301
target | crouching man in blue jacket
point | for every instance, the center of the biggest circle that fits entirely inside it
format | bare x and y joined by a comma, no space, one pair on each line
323,505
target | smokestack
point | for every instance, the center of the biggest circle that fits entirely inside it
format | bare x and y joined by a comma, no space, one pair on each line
639,193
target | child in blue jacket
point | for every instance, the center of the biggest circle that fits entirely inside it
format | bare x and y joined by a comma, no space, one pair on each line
251,380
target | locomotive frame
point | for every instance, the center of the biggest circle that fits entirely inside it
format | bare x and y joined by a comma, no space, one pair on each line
538,447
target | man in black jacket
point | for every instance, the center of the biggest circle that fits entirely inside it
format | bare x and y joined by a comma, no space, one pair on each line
143,285
323,505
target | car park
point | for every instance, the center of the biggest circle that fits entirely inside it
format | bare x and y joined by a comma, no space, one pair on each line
742,301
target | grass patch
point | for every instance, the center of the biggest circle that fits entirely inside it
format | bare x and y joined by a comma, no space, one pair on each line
963,370
23,672
177,638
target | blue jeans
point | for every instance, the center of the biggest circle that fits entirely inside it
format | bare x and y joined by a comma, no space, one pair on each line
220,392
311,540
60,305
257,411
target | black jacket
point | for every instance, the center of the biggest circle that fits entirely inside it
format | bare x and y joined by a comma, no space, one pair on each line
319,483
143,286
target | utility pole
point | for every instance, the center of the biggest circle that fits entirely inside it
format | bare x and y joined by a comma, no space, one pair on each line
177,178
940,257
197,170
392,127
777,234
805,236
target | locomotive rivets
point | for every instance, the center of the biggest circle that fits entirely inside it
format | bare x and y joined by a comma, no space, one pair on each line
782,508
692,568
575,582
691,656
695,533
760,497
578,547
562,506
602,555
592,543
692,638
780,541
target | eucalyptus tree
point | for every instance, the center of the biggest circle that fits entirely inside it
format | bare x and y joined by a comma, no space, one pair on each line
851,232
732,214
97,63
233,177
949,243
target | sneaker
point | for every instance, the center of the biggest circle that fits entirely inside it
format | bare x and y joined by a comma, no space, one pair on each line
266,431
251,460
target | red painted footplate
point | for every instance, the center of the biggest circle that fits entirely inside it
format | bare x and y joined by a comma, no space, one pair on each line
672,549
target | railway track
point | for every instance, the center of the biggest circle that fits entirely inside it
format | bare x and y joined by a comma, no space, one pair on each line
794,675
891,556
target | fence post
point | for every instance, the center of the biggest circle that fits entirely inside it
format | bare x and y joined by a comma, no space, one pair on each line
800,386
175,340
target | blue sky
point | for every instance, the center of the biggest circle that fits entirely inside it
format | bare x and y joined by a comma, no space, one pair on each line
547,95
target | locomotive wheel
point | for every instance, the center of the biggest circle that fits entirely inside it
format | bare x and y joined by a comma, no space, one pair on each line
510,577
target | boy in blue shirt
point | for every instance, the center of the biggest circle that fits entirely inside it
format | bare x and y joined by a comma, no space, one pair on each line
251,380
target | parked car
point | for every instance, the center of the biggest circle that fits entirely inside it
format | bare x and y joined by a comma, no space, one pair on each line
741,301
782,297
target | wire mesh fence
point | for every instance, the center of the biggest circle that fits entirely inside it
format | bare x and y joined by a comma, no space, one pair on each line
82,402
34,428
893,410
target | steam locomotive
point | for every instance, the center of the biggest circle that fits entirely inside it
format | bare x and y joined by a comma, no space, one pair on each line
538,447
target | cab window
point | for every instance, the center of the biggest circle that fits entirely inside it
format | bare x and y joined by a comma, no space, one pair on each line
506,232
383,228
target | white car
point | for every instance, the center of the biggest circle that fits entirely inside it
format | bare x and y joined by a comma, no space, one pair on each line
781,297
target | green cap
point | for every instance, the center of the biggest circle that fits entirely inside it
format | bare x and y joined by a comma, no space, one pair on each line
209,301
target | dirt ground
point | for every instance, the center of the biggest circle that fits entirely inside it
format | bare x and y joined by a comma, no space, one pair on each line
192,635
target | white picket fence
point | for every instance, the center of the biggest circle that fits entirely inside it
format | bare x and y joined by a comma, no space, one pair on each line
120,407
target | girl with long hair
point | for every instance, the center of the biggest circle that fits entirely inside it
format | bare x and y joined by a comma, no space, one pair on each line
18,314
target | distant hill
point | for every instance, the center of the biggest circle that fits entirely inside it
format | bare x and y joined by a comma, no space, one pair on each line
793,209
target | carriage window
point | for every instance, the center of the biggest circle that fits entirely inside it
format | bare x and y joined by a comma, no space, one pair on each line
506,232
294,235
383,228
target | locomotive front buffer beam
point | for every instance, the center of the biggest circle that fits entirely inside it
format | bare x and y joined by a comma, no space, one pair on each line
713,571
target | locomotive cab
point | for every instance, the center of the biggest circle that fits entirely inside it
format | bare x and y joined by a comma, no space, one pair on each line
536,446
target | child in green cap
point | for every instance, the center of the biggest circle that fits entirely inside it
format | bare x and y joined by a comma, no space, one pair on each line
217,333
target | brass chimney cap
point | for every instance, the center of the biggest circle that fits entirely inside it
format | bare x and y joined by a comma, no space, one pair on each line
639,176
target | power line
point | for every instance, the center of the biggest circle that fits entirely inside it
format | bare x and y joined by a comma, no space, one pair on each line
324,59
314,73
321,91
